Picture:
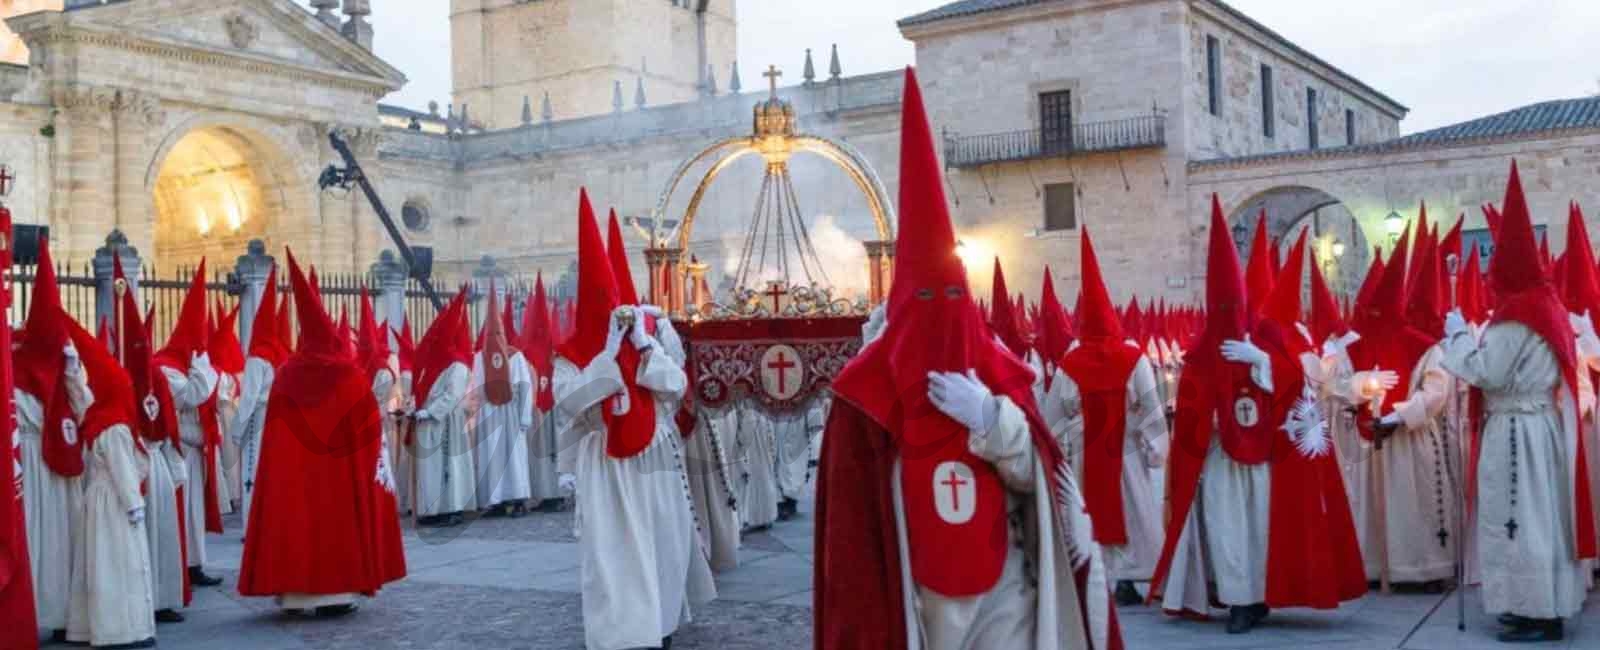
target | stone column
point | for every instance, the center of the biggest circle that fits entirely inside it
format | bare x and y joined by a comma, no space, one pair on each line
655,260
389,275
357,29
104,263
877,288
85,175
252,268
694,276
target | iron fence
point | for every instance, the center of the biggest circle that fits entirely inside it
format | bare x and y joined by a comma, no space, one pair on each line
1147,131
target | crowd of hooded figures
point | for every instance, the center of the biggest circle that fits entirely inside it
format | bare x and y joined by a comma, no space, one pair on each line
986,476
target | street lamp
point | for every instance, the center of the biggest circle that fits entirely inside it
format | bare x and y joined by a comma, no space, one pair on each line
1394,224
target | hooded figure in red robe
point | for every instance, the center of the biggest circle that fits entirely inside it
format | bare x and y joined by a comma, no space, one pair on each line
537,344
1106,407
50,395
18,617
1055,328
323,527
933,440
1535,530
1277,527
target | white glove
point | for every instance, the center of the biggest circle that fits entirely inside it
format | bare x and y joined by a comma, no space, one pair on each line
614,336
637,336
421,415
1454,324
1247,353
136,515
71,354
1371,383
1392,419
1301,328
1340,345
568,483
1588,342
965,399
200,360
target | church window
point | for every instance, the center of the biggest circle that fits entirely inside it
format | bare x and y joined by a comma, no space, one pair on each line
1311,118
1055,122
1268,125
1349,126
1060,207
415,215
1214,75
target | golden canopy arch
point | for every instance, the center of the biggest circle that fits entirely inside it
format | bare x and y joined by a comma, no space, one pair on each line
675,283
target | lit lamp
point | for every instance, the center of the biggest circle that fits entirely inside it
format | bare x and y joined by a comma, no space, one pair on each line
1394,224
1338,248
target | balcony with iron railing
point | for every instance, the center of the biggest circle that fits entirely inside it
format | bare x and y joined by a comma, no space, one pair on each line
1143,132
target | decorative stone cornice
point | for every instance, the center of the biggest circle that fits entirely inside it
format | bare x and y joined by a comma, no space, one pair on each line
363,141
82,99
235,60
142,105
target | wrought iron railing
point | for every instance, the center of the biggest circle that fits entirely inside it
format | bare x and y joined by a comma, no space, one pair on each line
1143,132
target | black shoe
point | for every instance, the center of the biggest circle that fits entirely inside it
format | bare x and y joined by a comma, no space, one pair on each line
452,519
1537,631
168,616
1261,611
1433,587
147,643
666,643
1240,619
198,578
787,509
335,611
1128,595
58,636
1512,620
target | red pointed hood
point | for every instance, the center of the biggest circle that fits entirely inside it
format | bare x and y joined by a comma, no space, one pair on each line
1469,288
227,356
1513,268
372,348
1227,300
537,344
1425,304
406,347
1055,328
1451,244
497,353
620,273
1369,283
597,291
1419,242
1580,291
159,420
189,335
1003,317
1283,306
266,342
287,336
1258,274
319,337
1097,316
114,397
1326,320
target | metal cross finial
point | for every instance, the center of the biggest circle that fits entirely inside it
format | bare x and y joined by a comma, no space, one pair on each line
5,180
772,75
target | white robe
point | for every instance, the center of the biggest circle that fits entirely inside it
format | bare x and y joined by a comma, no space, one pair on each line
443,448
405,473
1144,451
249,420
51,504
758,447
227,461
1035,603
643,565
116,608
502,434
1528,430
1413,490
711,483
1335,381
168,472
189,391
794,447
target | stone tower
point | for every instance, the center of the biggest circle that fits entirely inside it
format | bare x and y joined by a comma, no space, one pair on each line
503,51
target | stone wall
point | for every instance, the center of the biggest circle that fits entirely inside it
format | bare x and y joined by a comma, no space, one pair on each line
27,151
1239,130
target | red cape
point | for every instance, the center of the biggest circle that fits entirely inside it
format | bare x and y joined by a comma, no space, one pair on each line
321,522
18,623
1101,371
1313,558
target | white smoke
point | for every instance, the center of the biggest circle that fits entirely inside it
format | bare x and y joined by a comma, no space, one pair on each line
841,257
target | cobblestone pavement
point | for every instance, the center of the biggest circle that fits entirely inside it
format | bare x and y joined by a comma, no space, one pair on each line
513,583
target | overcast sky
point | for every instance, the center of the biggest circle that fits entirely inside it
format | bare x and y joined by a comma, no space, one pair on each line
1449,60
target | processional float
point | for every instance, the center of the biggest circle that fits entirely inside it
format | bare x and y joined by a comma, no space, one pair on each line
764,352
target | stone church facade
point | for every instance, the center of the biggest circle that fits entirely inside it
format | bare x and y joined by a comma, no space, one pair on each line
196,125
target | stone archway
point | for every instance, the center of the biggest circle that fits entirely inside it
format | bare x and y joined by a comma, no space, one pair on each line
216,186
1338,240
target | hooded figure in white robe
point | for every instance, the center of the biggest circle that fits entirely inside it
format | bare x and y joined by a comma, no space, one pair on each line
503,390
51,502
643,568
442,449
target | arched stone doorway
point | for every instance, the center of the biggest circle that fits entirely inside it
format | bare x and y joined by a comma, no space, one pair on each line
1337,239
215,189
